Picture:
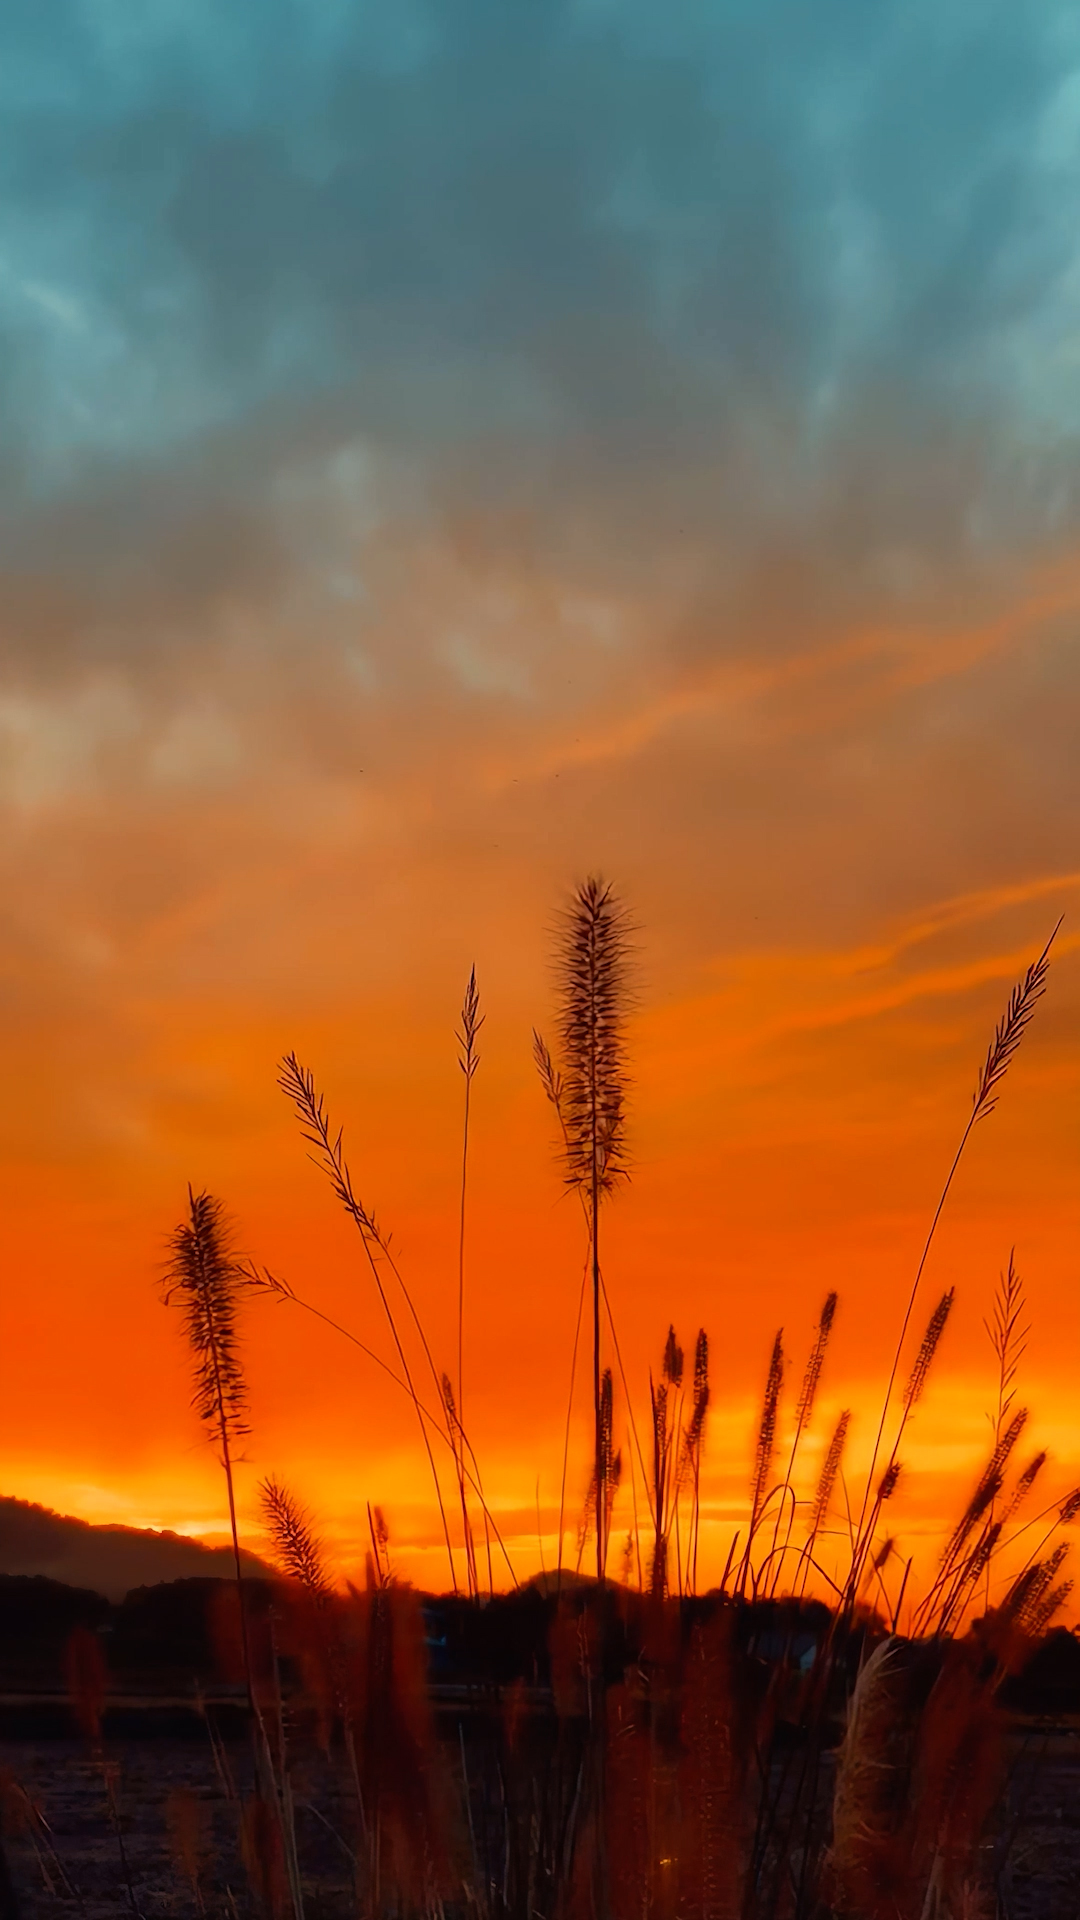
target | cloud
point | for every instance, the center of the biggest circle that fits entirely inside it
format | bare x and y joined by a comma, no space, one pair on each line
450,446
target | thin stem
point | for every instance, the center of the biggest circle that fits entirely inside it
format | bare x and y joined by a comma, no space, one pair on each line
299,1085
283,1291
566,1433
599,1437
461,1251
1009,1033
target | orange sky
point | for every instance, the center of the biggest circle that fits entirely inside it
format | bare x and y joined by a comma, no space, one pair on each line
803,1059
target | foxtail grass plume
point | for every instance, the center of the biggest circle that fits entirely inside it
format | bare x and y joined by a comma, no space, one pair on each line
467,1035
992,1477
1031,1587
811,1379
205,1279
924,1359
550,1077
593,994
1070,1508
1007,1330
889,1479
689,1467
297,1082
830,1469
1050,1605
590,1090
1025,1481
765,1449
1010,1030
472,1019
380,1546
293,1539
694,1430
764,1453
1008,1034
674,1360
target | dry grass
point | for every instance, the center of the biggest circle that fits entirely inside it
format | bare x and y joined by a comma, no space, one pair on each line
683,1761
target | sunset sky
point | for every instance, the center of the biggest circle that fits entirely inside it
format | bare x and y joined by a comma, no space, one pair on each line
447,449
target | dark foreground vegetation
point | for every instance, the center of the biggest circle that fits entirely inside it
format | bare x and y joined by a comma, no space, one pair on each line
817,1737
537,1755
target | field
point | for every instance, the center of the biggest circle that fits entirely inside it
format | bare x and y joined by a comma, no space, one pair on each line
157,1773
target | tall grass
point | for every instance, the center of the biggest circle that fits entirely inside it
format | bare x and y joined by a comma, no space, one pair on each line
748,1755
590,1094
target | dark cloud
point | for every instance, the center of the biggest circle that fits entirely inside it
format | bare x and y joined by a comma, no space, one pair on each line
449,392
772,209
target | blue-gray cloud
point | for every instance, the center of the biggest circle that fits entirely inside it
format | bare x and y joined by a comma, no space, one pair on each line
762,313
559,222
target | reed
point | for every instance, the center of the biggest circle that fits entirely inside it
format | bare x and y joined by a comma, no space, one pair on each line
1001,1052
925,1355
467,1036
678,1767
205,1278
690,1455
260,1280
298,1084
472,1019
804,1407
764,1458
589,1090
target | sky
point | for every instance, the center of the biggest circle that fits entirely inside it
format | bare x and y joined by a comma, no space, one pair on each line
446,450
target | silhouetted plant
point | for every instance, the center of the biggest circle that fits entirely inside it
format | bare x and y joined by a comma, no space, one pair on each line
589,1089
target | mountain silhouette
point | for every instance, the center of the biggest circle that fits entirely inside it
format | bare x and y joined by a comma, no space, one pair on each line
110,1559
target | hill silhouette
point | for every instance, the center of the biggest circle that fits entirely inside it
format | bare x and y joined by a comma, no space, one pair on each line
109,1559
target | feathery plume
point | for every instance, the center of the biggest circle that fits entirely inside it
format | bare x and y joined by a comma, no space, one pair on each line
1024,1484
297,1082
674,1359
989,1483
924,1359
1032,1585
471,1022
701,1369
1010,1030
661,1450
205,1278
765,1448
1007,1332
593,996
884,1553
688,1467
1007,1038
379,1559
812,1377
550,1077
472,1019
982,1555
865,1784
699,1407
610,1459
830,1468
889,1478
1045,1572
293,1538
1051,1603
